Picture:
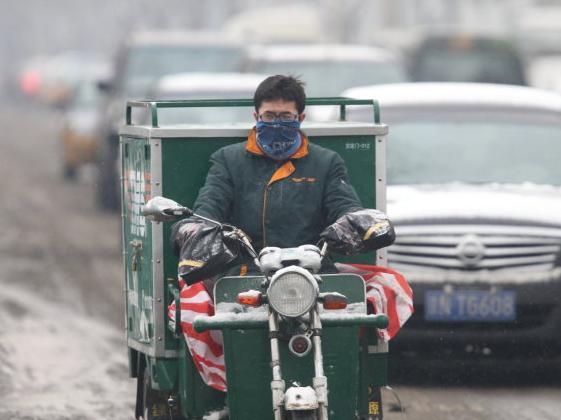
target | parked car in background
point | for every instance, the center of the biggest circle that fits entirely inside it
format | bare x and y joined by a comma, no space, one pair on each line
475,194
205,86
544,72
143,59
328,69
30,75
78,128
52,79
466,58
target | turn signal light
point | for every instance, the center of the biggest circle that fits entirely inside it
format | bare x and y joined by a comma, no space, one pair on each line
333,301
250,298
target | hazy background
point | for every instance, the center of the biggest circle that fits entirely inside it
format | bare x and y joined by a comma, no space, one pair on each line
63,353
31,27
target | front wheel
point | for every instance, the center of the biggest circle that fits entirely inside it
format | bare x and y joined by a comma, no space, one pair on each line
152,409
303,415
154,403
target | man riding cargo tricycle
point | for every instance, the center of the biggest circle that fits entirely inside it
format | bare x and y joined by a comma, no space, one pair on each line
237,309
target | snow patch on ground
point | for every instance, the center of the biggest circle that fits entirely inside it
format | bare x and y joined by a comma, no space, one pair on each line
56,363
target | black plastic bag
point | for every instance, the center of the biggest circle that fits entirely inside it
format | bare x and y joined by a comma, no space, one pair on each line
202,248
359,231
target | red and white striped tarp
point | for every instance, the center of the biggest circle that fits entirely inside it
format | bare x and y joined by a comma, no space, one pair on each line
206,348
386,290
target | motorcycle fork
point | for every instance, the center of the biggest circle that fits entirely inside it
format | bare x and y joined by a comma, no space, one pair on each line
320,381
277,384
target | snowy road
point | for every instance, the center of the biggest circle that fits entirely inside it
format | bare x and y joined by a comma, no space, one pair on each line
62,351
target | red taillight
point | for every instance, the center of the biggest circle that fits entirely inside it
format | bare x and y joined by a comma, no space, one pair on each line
250,298
333,301
30,83
299,345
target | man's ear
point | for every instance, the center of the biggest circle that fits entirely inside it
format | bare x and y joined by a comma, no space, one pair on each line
255,115
302,117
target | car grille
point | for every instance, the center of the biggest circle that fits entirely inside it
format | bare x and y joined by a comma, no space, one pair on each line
481,248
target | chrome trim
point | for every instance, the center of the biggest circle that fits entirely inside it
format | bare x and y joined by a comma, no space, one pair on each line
489,252
508,230
158,288
451,240
510,276
453,252
539,249
475,247
453,263
420,249
123,242
381,183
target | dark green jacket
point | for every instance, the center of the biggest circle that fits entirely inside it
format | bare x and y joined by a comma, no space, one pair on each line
284,204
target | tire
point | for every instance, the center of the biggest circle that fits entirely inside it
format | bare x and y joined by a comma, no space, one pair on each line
303,415
154,404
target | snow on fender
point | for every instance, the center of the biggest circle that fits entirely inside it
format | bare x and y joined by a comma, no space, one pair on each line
300,398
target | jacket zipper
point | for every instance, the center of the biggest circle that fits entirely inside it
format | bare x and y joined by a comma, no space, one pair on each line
264,212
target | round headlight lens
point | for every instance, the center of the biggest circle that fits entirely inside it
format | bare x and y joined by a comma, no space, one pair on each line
293,292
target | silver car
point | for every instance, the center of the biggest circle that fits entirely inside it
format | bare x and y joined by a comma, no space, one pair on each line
141,61
187,86
327,69
474,189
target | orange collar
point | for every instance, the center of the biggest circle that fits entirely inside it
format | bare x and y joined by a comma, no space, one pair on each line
253,147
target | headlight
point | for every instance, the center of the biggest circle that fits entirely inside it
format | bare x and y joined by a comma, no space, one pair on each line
292,292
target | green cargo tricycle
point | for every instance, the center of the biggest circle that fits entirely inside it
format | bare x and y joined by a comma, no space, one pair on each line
297,344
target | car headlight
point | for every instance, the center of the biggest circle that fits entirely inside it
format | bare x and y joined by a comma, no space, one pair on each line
292,292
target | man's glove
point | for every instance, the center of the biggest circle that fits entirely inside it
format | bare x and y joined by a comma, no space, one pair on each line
202,248
359,231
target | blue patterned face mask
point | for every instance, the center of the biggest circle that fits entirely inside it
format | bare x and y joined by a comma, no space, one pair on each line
279,139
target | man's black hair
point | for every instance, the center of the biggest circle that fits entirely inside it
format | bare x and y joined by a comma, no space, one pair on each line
279,87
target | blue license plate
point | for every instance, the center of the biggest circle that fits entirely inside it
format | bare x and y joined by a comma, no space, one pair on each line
470,305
